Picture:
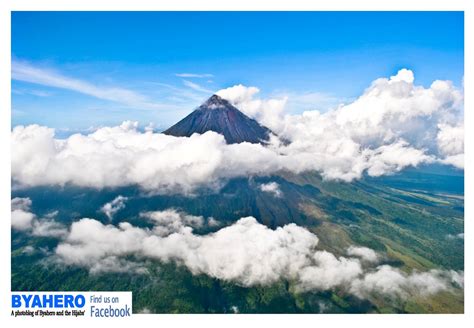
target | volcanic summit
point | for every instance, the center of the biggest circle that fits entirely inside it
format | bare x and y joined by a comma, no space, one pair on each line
219,115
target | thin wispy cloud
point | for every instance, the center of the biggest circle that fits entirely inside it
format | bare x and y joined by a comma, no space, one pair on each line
193,75
178,92
26,72
196,86
37,93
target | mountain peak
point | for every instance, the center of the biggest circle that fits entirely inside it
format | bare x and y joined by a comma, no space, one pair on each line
215,102
235,126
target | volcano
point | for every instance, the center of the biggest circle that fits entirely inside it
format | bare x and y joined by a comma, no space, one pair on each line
219,115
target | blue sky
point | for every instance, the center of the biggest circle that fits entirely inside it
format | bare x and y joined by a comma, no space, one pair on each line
73,70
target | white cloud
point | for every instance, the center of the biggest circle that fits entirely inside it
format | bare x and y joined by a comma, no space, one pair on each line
245,252
117,204
121,156
117,264
397,108
193,75
171,221
327,272
389,111
196,86
391,281
394,124
22,219
211,222
51,215
117,156
269,111
28,250
394,157
19,203
364,253
238,94
266,111
450,139
48,228
457,278
454,160
26,72
403,75
271,187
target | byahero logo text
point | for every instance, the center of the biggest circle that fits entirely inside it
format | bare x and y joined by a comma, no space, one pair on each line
73,304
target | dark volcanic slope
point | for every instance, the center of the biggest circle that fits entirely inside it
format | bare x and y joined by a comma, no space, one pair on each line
218,115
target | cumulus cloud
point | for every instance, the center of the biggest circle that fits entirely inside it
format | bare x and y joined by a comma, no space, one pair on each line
246,252
394,157
394,124
117,204
450,141
22,219
393,282
327,272
118,156
403,75
19,203
121,156
364,253
48,228
389,111
267,111
454,160
271,187
171,221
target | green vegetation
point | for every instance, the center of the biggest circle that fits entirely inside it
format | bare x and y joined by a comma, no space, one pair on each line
412,219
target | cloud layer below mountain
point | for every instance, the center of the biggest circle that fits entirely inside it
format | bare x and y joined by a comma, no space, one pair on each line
247,253
394,124
22,219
